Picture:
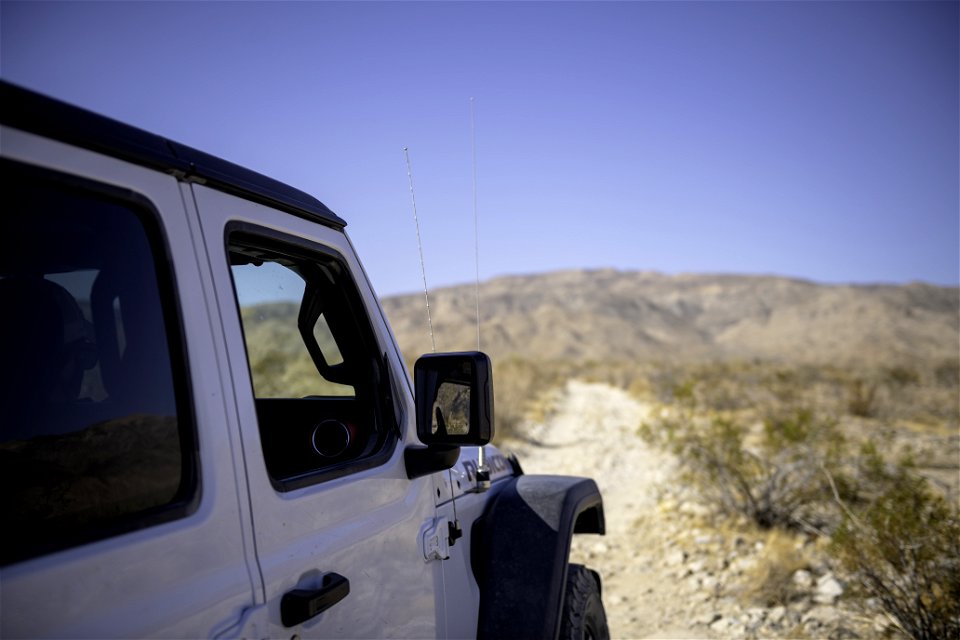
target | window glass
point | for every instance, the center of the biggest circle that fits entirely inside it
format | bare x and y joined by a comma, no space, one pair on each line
280,363
320,384
91,439
326,341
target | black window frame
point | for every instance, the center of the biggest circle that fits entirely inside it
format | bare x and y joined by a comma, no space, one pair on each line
190,492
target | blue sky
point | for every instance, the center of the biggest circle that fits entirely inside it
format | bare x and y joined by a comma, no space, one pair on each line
815,139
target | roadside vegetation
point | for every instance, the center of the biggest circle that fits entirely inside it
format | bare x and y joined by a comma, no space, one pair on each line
859,467
862,460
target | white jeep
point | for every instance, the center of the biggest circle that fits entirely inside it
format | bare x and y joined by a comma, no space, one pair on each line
207,428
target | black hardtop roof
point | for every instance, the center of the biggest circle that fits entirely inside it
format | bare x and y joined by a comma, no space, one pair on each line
29,111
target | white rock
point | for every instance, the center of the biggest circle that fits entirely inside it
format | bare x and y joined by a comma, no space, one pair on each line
821,615
599,548
696,566
802,578
693,509
710,583
722,625
742,565
776,614
707,619
828,589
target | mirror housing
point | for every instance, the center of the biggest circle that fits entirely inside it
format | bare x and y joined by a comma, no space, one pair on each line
454,397
454,404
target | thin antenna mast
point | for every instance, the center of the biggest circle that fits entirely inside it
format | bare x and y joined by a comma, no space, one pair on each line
423,269
483,471
476,235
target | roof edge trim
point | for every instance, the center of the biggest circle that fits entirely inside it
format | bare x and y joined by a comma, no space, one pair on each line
35,113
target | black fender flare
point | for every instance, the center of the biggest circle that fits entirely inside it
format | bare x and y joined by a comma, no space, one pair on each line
520,549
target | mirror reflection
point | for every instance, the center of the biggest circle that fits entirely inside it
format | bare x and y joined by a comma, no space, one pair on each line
451,409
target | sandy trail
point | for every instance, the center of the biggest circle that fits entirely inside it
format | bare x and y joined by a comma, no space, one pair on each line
592,431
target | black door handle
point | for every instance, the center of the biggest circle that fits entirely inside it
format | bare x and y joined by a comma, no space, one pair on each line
300,605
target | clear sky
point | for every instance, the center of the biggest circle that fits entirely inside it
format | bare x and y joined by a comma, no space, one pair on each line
811,139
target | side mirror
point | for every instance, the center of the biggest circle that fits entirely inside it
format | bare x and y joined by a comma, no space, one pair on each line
454,403
454,393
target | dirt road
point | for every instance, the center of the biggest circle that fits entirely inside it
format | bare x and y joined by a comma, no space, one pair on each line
668,571
591,430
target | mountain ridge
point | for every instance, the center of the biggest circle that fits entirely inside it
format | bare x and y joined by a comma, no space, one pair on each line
605,314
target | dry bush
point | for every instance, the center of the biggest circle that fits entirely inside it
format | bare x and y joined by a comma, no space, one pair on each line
902,546
925,393
862,398
772,477
784,463
776,482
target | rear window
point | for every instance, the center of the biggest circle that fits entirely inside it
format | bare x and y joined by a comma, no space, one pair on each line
94,438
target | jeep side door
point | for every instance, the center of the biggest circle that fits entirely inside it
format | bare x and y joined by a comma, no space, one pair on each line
324,408
122,514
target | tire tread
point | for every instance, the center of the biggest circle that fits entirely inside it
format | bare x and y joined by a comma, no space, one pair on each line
583,615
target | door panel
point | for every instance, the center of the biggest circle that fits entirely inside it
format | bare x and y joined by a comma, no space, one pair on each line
138,478
353,513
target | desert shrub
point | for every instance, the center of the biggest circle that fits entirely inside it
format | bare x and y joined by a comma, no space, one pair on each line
778,481
784,464
947,373
901,376
902,546
861,400
773,478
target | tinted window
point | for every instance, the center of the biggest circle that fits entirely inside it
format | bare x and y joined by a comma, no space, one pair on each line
92,440
323,397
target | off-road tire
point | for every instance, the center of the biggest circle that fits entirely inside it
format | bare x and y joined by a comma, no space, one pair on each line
583,617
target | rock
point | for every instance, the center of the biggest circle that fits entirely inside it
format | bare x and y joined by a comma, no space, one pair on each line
722,625
707,619
742,565
754,617
828,589
776,614
728,628
802,578
599,548
821,616
696,566
675,557
691,508
710,584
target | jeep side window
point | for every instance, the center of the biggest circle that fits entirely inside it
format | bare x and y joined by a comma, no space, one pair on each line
318,378
94,438
270,294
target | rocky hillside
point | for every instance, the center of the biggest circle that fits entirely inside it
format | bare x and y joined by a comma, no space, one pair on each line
608,314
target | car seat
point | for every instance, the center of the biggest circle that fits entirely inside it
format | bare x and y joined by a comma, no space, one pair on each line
46,345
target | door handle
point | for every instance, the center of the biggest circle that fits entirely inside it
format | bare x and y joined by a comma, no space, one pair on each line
300,605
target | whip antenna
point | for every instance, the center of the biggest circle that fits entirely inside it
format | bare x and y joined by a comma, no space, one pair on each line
483,471
476,235
423,269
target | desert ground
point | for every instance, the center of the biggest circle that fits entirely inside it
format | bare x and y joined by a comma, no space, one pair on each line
668,569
